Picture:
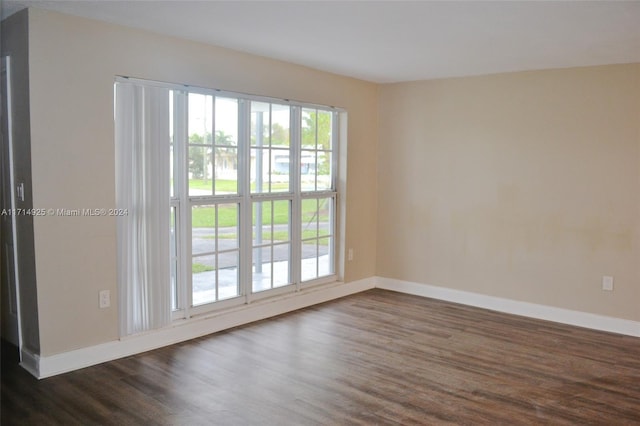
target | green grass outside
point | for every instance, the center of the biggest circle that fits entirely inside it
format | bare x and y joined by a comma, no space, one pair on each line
231,186
277,235
196,268
284,235
204,217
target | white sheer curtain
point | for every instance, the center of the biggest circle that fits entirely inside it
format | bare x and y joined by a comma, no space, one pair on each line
142,187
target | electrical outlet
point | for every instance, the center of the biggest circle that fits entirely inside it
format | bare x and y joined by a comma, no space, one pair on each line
105,299
350,255
607,283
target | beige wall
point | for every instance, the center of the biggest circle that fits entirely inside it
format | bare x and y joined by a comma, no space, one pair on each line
524,186
73,64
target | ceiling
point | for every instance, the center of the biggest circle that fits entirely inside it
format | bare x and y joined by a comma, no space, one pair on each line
390,41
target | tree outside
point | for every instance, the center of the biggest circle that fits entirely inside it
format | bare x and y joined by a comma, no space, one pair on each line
200,155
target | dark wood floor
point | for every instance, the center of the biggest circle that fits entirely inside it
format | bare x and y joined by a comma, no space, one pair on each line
373,358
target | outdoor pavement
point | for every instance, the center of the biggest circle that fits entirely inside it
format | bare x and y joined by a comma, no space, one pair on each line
203,283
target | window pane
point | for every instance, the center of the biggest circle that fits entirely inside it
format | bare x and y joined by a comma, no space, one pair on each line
200,171
280,164
228,275
280,125
200,119
324,181
271,248
309,225
281,220
309,228
270,157
171,171
226,122
309,264
308,128
275,219
325,263
279,171
172,233
271,267
203,279
228,226
225,163
317,238
260,119
316,150
203,233
174,284
215,246
308,170
270,170
215,277
259,168
173,259
324,129
261,222
226,170
325,211
281,148
281,265
261,269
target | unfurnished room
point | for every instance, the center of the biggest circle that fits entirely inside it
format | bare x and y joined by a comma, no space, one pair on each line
320,212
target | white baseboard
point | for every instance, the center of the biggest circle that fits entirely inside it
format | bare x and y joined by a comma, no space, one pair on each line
532,310
46,366
30,362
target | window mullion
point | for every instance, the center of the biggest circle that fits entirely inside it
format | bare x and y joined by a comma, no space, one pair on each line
217,251
333,224
271,250
295,187
332,231
317,231
213,158
334,151
244,187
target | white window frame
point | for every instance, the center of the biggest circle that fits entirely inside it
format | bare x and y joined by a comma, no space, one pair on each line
183,203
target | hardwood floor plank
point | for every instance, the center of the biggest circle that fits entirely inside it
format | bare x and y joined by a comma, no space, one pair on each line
374,358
